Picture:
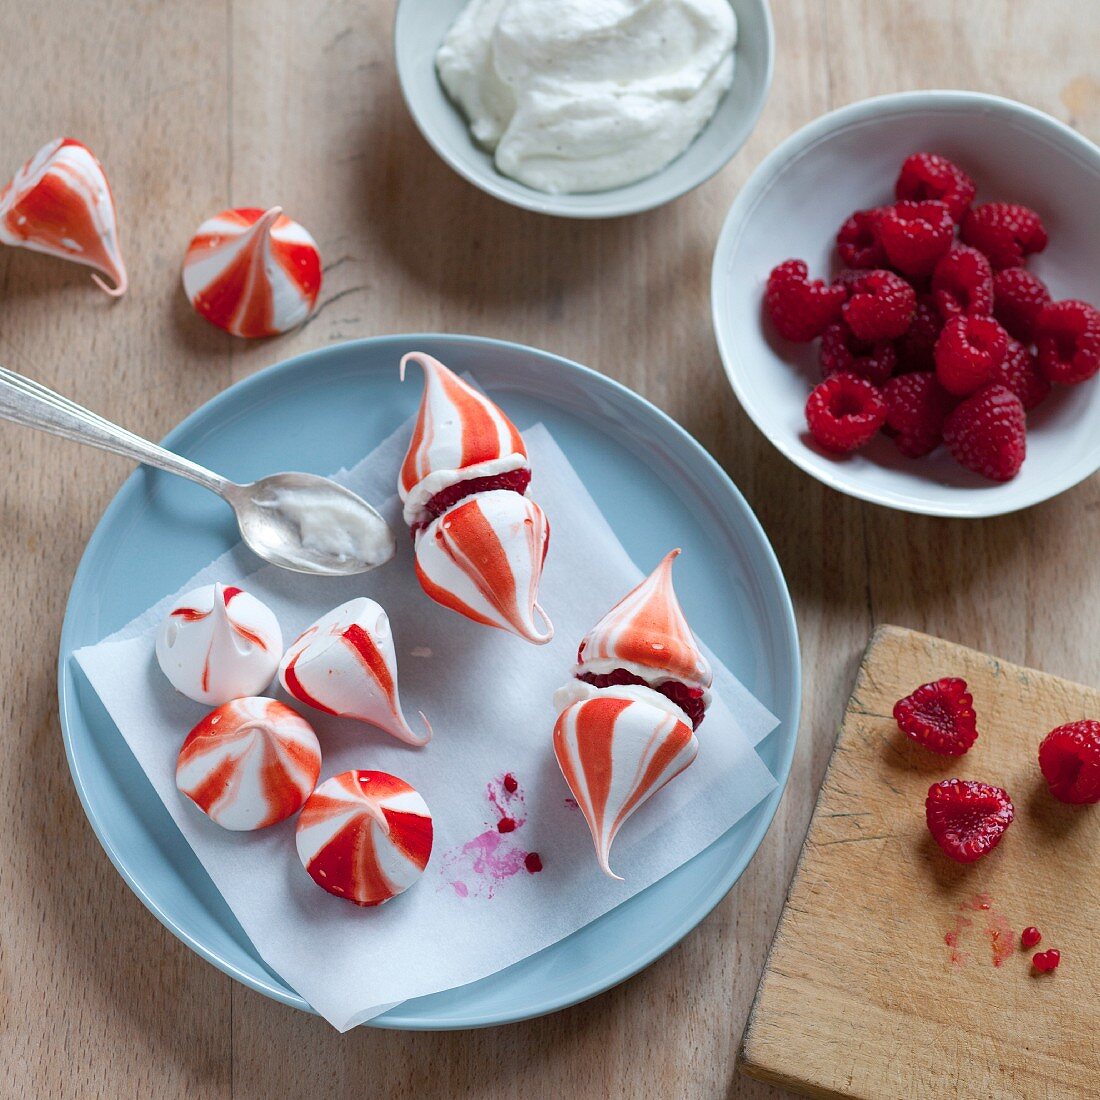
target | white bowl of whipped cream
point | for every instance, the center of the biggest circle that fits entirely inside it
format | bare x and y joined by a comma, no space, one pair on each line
585,108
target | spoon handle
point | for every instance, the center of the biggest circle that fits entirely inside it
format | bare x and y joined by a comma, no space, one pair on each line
25,401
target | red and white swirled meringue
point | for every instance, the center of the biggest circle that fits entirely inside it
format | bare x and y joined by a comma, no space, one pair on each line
249,764
60,203
616,749
365,836
345,664
219,643
253,272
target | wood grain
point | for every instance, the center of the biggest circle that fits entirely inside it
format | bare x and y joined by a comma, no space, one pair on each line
216,102
861,995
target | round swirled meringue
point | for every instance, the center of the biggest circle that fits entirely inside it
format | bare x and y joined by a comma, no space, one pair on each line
60,203
249,764
219,643
365,836
253,272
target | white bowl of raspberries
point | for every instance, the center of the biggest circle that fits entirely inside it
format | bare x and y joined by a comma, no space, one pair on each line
903,297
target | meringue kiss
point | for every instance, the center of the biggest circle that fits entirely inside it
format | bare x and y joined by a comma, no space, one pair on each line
60,203
249,764
345,664
219,643
252,272
480,543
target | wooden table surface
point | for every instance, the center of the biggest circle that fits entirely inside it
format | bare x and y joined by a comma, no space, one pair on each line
211,103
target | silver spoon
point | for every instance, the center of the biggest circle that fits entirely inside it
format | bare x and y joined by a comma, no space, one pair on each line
297,521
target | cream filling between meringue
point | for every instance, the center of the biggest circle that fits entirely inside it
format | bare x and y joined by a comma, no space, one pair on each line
415,501
602,666
577,691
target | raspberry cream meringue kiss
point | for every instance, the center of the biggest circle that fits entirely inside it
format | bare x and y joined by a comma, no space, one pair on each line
219,643
480,543
365,836
345,664
60,203
252,272
627,720
249,764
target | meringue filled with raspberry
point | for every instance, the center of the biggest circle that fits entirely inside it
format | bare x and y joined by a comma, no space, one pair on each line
479,541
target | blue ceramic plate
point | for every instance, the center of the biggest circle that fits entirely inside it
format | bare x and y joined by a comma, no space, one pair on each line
324,410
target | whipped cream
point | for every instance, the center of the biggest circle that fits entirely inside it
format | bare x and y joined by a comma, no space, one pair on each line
415,507
330,524
655,677
578,691
578,95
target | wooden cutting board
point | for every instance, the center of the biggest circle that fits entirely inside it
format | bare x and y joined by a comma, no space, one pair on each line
863,993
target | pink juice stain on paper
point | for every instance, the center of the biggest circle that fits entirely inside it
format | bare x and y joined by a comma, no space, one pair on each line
995,927
478,867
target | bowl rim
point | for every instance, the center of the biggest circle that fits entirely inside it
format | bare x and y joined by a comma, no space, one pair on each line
588,205
969,504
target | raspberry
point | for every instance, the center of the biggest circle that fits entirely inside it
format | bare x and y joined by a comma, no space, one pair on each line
940,716
930,176
841,351
916,347
1005,232
800,308
1030,936
962,284
1021,374
1069,759
857,241
1046,961
967,819
1067,335
916,407
1018,298
844,412
691,700
967,353
517,480
915,235
987,433
880,305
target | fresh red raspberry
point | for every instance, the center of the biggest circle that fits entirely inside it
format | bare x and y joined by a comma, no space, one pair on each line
1021,374
516,480
880,305
915,235
1046,961
857,241
940,716
987,433
800,308
1067,336
1006,232
1069,759
916,347
691,700
967,819
916,407
842,352
1018,298
968,351
844,412
962,284
1030,936
930,176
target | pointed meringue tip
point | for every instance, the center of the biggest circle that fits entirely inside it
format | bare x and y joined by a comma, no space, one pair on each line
121,280
602,859
422,359
404,732
670,557
375,811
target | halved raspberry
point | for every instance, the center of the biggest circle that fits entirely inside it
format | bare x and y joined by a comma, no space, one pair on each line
691,700
968,351
916,407
844,412
930,176
1021,374
915,235
987,433
1006,232
916,347
1069,759
967,819
800,308
857,241
842,351
940,716
1018,299
962,284
1067,336
880,305
516,480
